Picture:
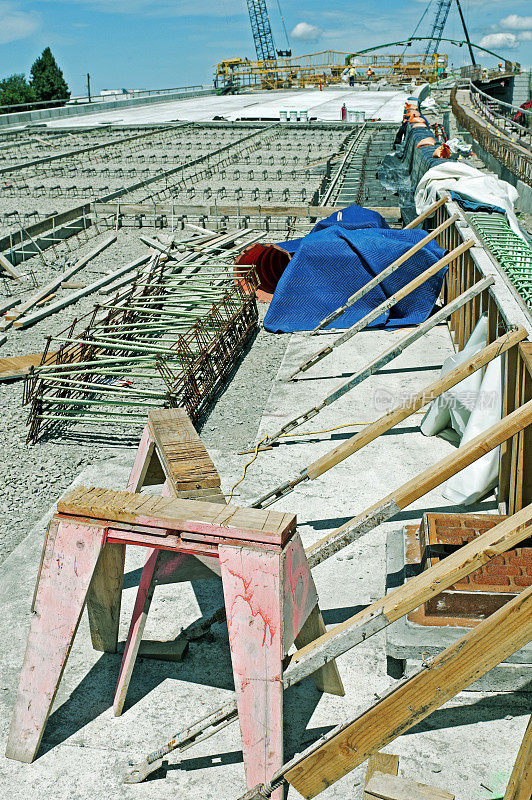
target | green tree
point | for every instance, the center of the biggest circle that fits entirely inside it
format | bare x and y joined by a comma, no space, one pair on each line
47,78
15,89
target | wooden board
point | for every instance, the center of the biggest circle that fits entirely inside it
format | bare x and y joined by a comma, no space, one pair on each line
416,591
380,762
8,266
520,783
284,209
230,522
16,367
184,458
392,787
474,654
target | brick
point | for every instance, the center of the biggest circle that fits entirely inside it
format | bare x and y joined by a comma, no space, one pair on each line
523,580
502,569
493,580
519,561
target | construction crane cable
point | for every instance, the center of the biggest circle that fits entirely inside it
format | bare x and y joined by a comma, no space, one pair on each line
284,26
417,26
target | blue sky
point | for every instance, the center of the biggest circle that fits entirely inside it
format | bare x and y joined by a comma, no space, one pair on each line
166,43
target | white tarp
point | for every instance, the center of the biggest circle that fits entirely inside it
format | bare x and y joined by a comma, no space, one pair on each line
472,184
469,408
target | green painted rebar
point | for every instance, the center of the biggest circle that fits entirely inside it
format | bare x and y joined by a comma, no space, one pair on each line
512,252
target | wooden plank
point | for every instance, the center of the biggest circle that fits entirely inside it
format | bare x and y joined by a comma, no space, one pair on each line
392,787
251,582
136,629
192,516
327,678
251,209
59,603
415,402
183,455
8,266
428,213
380,762
45,291
348,745
424,482
416,591
63,302
520,783
162,650
15,367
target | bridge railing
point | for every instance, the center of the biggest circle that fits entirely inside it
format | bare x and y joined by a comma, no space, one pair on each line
510,120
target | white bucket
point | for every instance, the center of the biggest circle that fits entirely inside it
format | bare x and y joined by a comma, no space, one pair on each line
303,116
293,116
283,116
351,116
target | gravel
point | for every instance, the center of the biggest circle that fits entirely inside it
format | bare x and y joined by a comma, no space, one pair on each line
33,477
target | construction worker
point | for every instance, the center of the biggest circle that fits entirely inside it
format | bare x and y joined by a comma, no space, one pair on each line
352,74
369,73
500,66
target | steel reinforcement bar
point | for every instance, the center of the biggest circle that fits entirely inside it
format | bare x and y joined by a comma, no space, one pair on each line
519,163
169,339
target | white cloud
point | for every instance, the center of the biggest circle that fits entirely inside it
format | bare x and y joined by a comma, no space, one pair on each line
15,23
516,23
506,41
306,32
525,36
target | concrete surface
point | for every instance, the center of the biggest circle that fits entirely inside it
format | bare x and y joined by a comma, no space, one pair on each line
466,746
386,105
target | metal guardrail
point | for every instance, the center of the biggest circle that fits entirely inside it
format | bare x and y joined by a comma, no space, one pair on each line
502,148
501,115
71,101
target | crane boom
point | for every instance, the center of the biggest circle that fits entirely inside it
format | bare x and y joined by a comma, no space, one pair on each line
261,30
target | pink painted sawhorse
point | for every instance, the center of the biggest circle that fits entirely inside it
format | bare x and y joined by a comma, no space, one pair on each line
269,594
169,451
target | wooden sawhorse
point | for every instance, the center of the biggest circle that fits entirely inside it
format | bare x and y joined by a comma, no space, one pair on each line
268,590
170,452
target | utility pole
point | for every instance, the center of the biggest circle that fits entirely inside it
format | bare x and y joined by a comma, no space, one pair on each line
466,33
89,86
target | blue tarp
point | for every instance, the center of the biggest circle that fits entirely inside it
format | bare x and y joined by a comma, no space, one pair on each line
331,264
353,218
475,205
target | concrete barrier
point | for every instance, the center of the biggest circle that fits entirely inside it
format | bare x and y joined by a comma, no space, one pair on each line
47,114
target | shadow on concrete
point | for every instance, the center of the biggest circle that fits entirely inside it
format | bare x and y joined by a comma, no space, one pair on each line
309,439
333,616
398,371
404,516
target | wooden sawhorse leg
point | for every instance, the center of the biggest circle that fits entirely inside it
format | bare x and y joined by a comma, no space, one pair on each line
161,567
69,563
271,601
252,590
147,465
